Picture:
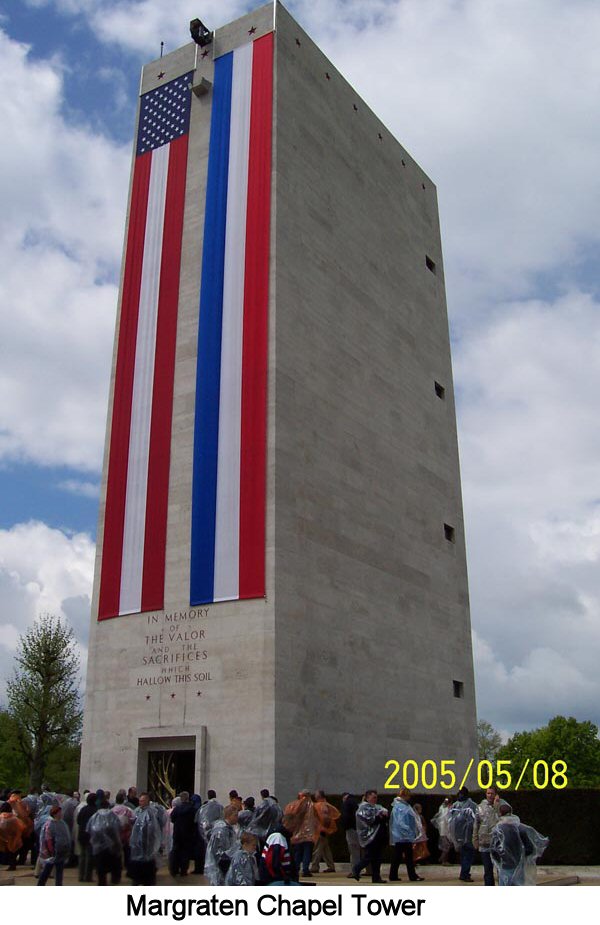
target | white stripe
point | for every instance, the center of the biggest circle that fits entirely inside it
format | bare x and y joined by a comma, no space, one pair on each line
227,526
143,377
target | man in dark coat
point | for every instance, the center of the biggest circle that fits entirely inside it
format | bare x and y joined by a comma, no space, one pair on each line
85,855
184,835
348,820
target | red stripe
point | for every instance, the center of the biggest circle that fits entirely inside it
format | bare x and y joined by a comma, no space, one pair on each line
153,577
255,339
114,517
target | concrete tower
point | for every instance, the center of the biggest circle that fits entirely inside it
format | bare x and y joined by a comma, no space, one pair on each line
280,595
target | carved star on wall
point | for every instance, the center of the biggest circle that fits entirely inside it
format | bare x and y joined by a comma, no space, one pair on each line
147,696
252,30
172,696
204,53
161,75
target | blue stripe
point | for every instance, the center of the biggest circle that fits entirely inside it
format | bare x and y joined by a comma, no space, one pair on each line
208,375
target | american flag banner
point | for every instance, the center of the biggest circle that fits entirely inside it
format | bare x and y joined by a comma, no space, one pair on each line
135,524
229,477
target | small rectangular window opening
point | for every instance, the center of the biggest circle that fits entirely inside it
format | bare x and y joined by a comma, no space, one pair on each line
429,263
459,688
449,533
440,391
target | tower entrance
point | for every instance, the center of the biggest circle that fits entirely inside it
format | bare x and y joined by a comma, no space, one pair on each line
170,772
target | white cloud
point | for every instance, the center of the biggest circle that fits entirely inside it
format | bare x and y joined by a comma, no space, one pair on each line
529,446
143,24
63,194
567,541
42,570
77,487
547,683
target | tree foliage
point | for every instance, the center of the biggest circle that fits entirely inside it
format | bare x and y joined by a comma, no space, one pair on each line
62,770
563,739
43,700
13,768
488,740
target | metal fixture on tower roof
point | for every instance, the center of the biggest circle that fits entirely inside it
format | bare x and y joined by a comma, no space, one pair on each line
200,34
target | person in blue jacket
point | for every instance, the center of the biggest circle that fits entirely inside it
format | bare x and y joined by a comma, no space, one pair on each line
405,828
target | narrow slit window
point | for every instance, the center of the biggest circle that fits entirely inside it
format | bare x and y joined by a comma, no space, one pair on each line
430,264
450,533
440,391
459,688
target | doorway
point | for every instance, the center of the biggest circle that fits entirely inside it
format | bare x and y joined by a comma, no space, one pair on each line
169,772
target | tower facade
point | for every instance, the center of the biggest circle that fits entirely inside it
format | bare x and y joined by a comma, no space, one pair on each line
280,596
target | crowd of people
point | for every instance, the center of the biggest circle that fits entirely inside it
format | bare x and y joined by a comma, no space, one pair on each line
505,844
245,842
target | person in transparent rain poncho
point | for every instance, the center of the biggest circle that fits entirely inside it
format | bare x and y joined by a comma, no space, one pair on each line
55,847
266,819
461,821
515,849
488,815
243,870
405,829
246,815
209,813
222,846
371,830
45,804
440,822
145,842
104,831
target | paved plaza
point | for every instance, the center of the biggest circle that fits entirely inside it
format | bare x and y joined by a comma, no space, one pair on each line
434,874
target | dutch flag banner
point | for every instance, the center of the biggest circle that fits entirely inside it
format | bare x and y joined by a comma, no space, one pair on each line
229,482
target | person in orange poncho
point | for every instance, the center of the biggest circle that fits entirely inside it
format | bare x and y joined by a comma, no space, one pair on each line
23,812
11,835
328,816
305,827
420,849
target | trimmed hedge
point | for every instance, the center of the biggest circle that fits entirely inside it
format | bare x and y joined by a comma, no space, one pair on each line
570,818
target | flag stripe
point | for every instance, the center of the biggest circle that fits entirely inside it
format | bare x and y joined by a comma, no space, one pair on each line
209,341
112,545
155,529
135,526
229,492
226,582
141,405
255,345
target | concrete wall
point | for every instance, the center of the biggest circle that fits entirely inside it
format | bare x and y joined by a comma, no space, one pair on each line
372,620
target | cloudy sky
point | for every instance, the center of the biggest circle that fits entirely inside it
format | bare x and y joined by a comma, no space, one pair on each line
497,100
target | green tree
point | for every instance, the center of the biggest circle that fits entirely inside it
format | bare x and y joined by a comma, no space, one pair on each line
13,769
62,770
488,740
43,699
575,743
